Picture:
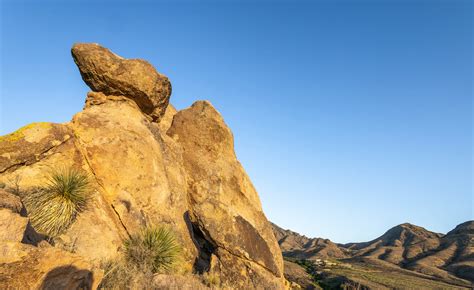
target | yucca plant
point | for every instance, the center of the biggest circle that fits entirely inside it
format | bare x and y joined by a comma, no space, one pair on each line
154,248
53,207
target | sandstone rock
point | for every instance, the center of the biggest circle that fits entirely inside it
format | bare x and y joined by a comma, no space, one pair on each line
140,175
97,233
30,143
181,172
167,119
10,201
45,268
106,72
223,202
12,224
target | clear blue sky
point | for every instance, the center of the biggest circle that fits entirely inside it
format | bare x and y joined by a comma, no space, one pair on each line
349,116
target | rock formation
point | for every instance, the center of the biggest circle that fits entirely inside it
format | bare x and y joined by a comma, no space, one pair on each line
106,72
24,266
150,165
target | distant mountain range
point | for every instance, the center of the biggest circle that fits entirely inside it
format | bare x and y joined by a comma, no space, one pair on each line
406,248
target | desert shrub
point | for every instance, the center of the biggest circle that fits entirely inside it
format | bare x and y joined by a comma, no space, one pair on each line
120,275
2,185
53,207
154,248
211,280
14,185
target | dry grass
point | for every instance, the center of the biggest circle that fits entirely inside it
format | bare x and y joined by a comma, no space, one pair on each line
120,275
211,280
382,278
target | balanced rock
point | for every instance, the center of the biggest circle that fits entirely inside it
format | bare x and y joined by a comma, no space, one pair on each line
108,73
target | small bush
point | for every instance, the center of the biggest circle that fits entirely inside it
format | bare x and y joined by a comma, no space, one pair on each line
119,275
14,185
52,208
154,249
211,280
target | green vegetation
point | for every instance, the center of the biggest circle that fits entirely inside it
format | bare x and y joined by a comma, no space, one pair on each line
20,133
52,208
154,248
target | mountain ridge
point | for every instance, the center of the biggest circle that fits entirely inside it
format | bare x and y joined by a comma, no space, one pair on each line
445,257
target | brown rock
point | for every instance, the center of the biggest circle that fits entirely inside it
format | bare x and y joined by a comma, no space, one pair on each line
224,205
12,224
167,119
44,268
188,179
97,232
30,143
10,201
139,171
106,72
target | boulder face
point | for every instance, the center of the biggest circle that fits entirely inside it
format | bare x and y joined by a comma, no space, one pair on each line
12,223
45,267
108,73
177,169
224,205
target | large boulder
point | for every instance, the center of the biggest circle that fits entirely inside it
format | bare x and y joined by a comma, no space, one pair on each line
106,72
12,224
224,205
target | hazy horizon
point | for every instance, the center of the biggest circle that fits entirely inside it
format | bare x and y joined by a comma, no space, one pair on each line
349,118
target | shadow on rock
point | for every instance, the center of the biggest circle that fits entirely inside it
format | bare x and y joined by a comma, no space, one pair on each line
67,277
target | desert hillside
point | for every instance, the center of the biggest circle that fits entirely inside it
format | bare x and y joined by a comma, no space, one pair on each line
409,252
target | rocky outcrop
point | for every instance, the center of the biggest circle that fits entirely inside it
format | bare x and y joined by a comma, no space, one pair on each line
44,267
177,168
224,205
30,144
12,224
108,73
